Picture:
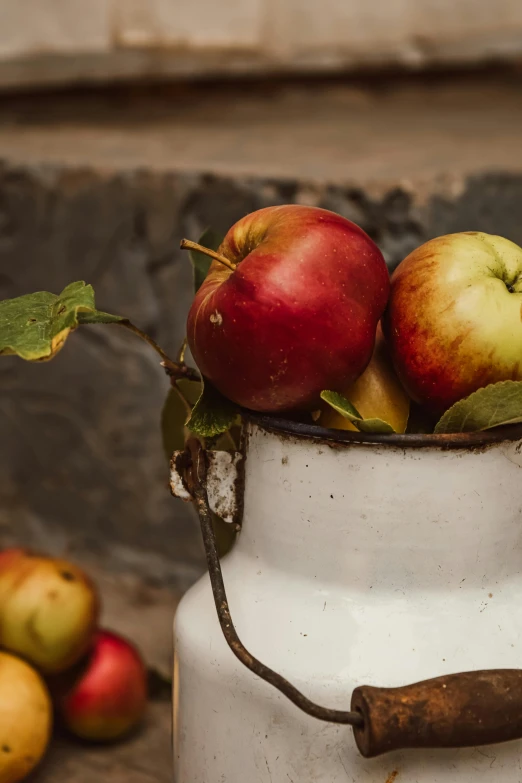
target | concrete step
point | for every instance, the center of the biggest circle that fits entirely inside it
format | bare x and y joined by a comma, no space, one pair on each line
407,132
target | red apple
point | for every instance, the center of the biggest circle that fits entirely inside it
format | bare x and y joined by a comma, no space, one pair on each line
106,697
296,313
453,322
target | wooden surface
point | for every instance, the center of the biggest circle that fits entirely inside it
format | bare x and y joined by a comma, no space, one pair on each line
143,758
144,614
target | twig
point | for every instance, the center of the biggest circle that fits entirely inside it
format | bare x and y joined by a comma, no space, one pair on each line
176,370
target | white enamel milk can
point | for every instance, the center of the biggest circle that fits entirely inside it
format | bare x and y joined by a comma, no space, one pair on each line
364,564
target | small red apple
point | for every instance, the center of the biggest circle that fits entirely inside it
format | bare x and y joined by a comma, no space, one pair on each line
453,322
106,696
296,311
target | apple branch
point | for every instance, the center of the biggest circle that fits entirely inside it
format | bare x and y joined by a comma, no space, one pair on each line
188,244
176,370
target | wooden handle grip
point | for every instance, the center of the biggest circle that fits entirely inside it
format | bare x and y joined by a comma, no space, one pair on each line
458,710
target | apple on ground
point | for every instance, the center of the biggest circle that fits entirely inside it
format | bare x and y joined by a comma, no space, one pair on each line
105,696
25,718
377,394
290,310
453,322
48,609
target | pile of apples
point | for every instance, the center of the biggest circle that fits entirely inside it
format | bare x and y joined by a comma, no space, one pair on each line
54,658
298,300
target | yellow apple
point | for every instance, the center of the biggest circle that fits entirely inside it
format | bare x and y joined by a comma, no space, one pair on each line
25,718
48,610
377,394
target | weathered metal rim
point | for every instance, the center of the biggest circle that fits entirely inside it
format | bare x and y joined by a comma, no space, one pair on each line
461,440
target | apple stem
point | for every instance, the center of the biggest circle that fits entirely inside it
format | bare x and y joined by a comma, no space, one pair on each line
187,244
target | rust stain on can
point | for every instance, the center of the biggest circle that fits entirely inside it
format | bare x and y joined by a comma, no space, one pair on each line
392,776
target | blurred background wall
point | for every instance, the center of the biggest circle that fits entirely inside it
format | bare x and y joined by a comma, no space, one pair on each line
128,124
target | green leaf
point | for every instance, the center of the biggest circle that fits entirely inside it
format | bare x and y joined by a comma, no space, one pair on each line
491,406
176,410
343,406
98,317
36,326
212,414
182,397
201,262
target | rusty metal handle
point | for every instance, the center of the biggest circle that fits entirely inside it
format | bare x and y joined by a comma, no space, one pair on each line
454,711
195,474
458,710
